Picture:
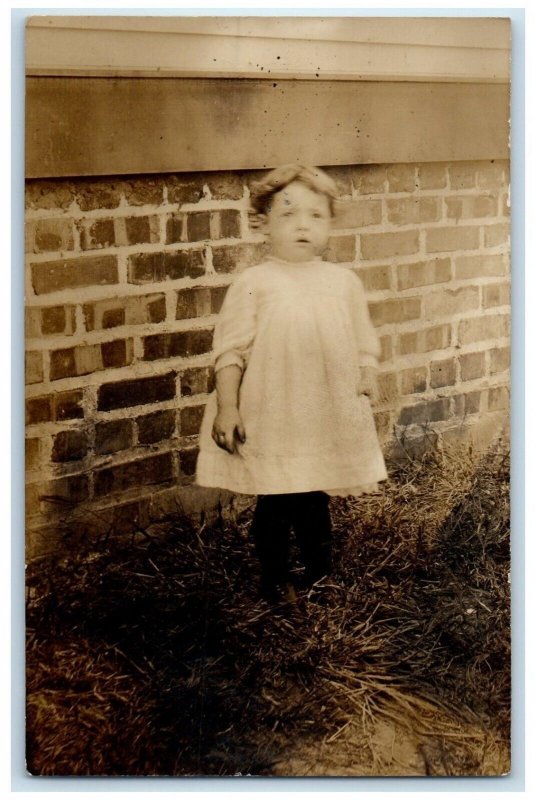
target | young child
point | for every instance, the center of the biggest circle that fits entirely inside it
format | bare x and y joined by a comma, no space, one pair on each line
295,356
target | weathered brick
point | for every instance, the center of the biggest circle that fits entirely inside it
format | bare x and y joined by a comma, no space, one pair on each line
469,403
413,210
224,185
143,472
497,234
387,387
72,489
448,239
179,343
341,249
52,235
156,308
188,461
375,278
436,338
58,319
63,363
217,296
68,405
478,329
110,437
491,176
401,178
386,245
155,427
195,302
230,224
196,381
496,294
142,230
369,179
472,366
462,176
198,226
413,380
382,420
175,228
451,301
430,411
386,344
432,176
117,353
43,194
74,273
184,188
481,266
112,318
70,445
236,257
471,206
498,398
33,369
97,194
117,311
396,310
38,409
143,191
499,359
190,420
97,233
151,267
136,392
423,273
442,373
32,323
357,213
506,205
32,454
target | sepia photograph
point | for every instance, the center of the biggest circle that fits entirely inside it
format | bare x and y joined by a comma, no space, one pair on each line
267,376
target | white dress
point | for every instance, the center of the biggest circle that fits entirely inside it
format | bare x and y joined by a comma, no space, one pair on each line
300,331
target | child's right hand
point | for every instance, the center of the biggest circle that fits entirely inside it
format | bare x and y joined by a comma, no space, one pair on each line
227,428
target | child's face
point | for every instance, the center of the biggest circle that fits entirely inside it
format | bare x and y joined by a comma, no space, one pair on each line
298,223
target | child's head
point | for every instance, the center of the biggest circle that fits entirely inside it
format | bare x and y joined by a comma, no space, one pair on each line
295,205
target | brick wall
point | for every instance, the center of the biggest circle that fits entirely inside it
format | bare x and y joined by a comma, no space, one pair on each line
125,278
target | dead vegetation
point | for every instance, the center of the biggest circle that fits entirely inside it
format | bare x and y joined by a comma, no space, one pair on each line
153,655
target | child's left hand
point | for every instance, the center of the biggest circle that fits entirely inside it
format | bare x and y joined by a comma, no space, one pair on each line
368,383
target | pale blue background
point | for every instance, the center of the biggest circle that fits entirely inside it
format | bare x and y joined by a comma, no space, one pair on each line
21,782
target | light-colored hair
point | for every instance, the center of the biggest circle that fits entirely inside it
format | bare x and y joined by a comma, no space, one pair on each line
316,179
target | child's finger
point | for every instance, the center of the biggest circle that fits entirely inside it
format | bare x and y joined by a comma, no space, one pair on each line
241,433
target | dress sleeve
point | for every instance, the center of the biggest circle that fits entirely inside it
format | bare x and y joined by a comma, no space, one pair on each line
366,337
236,326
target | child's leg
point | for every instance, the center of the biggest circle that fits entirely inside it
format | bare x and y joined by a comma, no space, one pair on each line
271,530
312,526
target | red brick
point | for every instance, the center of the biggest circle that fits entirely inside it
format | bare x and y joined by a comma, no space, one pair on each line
442,373
369,179
341,249
230,224
38,409
190,420
118,353
43,194
143,472
357,213
117,311
375,278
62,364
479,329
465,404
54,319
70,445
52,235
498,398
75,361
184,188
236,257
33,367
68,405
224,185
471,206
451,301
155,427
398,310
497,234
142,230
175,229
413,210
401,178
73,489
423,341
386,245
178,344
188,461
195,302
32,323
386,344
491,176
95,195
153,267
198,226
75,273
481,266
113,318
496,294
96,234
432,176
110,437
156,308
431,411
32,454
413,380
143,191
472,366
423,273
217,296
448,239
387,387
196,381
499,359
462,176
139,391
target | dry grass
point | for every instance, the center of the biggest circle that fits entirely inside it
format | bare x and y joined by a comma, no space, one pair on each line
154,656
